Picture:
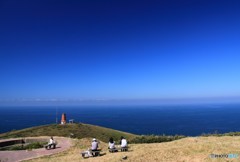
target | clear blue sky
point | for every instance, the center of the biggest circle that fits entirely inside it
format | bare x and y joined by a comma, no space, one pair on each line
119,49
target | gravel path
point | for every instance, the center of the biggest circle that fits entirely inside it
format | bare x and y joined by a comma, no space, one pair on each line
16,156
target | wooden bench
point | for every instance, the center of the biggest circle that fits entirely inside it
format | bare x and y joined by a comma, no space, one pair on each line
112,150
122,149
93,153
96,153
50,146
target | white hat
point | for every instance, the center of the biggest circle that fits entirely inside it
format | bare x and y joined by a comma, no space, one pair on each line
94,139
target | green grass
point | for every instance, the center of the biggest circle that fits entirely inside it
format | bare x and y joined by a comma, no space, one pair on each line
35,145
78,131
155,138
216,134
30,146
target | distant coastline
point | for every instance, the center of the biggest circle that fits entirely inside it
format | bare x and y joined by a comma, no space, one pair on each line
190,120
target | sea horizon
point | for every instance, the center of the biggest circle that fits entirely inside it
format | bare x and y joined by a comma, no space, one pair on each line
183,119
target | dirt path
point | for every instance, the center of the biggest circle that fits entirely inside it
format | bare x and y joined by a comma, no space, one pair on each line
15,156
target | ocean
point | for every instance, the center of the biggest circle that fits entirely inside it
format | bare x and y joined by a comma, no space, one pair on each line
190,120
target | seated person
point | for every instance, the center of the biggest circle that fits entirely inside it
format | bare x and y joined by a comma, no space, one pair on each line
123,142
51,143
111,145
94,145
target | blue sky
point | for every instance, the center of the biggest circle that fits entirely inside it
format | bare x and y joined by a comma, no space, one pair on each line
87,50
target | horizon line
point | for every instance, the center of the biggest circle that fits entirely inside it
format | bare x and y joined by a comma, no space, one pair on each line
133,101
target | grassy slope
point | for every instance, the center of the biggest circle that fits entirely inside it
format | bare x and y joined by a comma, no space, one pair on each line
79,130
195,149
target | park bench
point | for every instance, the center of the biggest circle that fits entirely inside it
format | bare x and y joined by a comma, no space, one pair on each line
96,153
93,153
122,149
50,146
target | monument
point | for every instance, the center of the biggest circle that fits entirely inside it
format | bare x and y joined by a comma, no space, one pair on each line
64,119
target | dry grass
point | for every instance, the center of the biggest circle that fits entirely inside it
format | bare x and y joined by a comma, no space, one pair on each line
190,149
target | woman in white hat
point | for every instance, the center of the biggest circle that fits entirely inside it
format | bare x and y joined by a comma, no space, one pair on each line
94,145
93,148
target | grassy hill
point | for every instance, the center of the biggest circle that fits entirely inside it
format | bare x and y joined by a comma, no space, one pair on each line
86,130
182,150
78,130
197,149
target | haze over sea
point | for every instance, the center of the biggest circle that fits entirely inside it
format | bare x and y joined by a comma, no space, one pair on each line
189,120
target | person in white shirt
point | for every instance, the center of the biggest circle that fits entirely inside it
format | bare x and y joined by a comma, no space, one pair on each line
111,143
94,145
123,142
51,144
51,141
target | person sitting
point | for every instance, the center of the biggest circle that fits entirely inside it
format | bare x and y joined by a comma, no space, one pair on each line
93,151
51,144
94,145
123,144
111,145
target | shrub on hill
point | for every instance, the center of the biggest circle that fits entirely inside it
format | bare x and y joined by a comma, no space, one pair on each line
155,138
216,134
30,146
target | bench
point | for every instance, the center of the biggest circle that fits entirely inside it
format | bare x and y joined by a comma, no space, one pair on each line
50,146
112,150
122,149
93,153
96,153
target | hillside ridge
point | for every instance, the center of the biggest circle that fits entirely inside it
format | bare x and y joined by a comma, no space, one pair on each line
76,130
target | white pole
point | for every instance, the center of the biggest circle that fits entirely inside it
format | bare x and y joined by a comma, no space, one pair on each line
56,115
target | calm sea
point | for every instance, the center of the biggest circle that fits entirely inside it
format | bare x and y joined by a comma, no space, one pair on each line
189,120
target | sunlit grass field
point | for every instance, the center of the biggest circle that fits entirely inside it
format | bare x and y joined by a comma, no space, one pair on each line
191,149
